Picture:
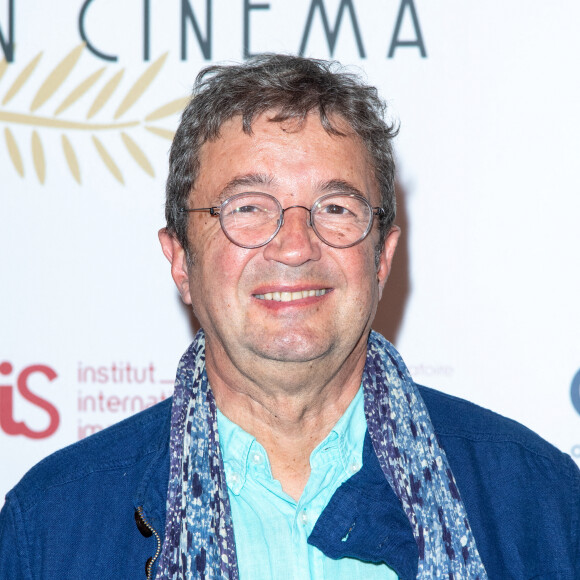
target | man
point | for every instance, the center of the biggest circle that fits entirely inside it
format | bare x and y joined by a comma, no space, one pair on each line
296,444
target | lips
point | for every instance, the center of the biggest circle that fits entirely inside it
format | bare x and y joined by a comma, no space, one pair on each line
291,296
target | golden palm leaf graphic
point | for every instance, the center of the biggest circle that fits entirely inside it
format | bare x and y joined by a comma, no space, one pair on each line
49,89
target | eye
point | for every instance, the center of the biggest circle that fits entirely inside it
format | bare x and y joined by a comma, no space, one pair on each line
248,209
335,209
338,209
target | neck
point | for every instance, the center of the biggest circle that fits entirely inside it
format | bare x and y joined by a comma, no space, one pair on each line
290,412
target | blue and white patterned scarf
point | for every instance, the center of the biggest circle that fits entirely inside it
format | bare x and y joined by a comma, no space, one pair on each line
199,539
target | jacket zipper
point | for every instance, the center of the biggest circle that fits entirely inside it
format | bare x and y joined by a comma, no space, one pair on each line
150,561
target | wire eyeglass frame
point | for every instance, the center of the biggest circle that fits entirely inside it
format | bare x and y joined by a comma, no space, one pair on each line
218,211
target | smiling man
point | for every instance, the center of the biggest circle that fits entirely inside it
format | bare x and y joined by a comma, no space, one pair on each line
296,444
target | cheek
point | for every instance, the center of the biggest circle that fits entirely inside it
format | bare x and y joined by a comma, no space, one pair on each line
223,268
362,278
361,265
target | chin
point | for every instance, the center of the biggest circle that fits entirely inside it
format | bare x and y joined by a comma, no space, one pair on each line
292,348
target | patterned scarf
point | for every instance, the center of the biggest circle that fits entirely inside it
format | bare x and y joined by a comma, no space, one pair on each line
199,539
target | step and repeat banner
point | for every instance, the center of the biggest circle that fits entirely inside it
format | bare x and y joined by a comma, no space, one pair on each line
483,301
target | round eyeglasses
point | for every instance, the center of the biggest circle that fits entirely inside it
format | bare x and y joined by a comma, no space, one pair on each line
252,219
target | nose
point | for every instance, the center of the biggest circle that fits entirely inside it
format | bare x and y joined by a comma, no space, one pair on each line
296,243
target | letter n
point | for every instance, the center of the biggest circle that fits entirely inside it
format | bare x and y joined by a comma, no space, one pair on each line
8,42
332,34
188,15
418,42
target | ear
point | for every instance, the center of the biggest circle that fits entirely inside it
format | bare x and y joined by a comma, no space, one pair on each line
176,255
386,257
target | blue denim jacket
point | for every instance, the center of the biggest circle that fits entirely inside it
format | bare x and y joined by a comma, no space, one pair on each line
75,514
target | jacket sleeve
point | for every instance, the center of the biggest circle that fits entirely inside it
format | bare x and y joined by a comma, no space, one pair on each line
576,516
12,547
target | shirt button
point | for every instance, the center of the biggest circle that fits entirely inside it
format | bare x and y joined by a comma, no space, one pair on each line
234,477
257,458
354,467
304,517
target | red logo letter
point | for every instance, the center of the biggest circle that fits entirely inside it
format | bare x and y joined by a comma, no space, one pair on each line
7,422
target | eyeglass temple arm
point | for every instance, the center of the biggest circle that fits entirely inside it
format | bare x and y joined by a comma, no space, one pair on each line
214,211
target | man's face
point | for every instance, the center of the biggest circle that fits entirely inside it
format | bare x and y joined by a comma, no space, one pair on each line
228,286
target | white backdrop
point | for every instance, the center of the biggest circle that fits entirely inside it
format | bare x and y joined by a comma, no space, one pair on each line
483,302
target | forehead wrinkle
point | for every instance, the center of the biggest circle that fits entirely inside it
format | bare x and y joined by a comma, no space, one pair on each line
249,180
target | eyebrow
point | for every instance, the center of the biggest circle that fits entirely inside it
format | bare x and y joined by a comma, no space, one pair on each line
339,186
248,180
252,180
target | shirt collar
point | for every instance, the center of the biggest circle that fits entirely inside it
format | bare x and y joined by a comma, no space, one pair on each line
344,443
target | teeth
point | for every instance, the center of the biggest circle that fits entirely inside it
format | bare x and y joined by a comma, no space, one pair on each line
290,296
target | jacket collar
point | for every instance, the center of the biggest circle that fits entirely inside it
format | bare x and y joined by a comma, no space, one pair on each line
151,493
365,519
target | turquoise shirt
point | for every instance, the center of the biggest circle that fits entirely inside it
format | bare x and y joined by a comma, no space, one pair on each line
271,529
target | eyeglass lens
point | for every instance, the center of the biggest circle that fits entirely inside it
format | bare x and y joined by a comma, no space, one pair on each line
252,219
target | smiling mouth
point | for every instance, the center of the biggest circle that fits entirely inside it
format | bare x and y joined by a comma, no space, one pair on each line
290,296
